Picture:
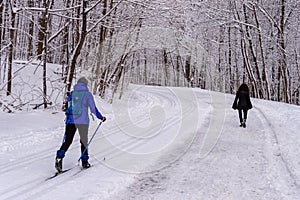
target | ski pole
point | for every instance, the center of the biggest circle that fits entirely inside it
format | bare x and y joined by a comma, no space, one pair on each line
89,142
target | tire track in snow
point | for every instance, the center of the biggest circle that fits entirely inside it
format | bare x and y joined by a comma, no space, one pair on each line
278,170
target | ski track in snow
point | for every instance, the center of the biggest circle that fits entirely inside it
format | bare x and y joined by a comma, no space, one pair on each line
240,163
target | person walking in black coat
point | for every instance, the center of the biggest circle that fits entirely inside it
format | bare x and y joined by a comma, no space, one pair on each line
242,103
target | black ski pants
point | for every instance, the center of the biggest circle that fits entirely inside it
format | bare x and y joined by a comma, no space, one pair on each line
241,111
69,135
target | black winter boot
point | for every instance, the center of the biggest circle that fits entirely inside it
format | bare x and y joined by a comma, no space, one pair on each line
244,123
58,164
86,165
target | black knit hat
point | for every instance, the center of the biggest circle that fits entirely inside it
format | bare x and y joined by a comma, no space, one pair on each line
83,80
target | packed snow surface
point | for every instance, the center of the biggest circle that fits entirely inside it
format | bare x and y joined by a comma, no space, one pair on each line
158,143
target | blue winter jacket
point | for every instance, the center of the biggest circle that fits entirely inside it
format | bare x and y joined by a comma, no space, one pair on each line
87,102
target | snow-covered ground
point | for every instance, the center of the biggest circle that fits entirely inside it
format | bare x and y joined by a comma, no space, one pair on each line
158,143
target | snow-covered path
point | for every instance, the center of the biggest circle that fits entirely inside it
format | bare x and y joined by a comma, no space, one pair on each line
244,164
158,143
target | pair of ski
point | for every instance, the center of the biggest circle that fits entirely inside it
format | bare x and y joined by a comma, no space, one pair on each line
58,173
58,164
64,171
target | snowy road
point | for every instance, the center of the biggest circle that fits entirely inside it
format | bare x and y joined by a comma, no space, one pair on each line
158,143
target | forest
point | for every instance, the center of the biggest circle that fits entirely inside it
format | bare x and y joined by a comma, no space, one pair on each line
209,44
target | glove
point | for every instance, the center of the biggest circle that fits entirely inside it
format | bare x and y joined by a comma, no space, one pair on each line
103,119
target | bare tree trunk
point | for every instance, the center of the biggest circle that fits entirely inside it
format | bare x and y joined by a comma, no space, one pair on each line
236,60
178,70
188,69
76,27
102,82
1,27
165,66
279,83
41,33
253,55
264,70
297,91
2,30
105,74
248,67
283,60
78,48
103,33
145,67
11,49
4,15
45,29
117,75
30,32
122,85
65,47
221,82
230,62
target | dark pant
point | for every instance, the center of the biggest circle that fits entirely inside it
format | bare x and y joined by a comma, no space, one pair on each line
69,135
241,111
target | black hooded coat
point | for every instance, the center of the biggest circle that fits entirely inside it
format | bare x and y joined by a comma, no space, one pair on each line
242,100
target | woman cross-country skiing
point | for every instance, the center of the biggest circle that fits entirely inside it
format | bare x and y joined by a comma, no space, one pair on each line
77,118
242,103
